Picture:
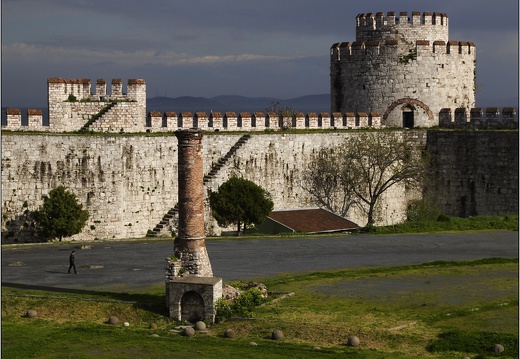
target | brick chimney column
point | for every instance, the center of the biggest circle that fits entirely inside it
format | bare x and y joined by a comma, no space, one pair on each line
190,245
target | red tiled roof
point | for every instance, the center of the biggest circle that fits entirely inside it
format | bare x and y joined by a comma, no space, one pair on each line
313,220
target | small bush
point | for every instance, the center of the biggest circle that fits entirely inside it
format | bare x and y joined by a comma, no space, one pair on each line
242,306
443,218
422,210
224,310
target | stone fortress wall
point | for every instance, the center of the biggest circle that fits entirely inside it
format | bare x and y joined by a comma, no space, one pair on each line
128,183
404,68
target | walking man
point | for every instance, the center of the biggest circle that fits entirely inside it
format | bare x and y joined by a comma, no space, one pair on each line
72,262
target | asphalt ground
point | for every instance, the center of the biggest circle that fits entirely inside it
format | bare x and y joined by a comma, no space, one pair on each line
128,266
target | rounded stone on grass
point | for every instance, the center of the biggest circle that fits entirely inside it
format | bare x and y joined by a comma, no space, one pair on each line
229,333
200,325
31,314
497,348
189,332
113,320
353,341
277,335
153,326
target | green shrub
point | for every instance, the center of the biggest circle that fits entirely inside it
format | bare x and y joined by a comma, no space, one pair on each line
223,309
242,306
422,210
443,218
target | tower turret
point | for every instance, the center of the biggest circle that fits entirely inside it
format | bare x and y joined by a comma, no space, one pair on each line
403,67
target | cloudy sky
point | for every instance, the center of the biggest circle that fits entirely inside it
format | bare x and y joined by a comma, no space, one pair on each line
275,48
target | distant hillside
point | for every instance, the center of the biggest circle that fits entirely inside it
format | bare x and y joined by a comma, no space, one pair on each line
311,103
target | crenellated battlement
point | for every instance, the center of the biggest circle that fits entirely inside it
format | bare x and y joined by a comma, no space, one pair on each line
60,89
259,121
347,51
379,20
156,121
489,118
378,27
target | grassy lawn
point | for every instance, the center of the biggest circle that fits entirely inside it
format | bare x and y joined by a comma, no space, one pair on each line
434,310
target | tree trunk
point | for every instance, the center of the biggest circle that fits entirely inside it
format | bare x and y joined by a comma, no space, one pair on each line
238,229
370,213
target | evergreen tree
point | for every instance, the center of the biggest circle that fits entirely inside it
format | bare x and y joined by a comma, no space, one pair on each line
60,215
241,202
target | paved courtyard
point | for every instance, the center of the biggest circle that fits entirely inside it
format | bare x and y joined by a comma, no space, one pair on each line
117,266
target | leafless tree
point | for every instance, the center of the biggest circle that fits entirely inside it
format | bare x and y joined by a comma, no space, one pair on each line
323,180
361,169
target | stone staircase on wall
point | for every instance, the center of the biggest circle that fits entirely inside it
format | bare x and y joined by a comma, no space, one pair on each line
165,227
170,219
96,117
224,160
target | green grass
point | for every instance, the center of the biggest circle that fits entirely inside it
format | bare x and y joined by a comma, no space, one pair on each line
433,310
481,341
477,223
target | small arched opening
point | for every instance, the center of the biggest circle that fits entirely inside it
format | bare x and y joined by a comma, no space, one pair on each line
192,307
408,116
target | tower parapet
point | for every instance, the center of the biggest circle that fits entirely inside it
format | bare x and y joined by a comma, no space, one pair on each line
378,27
72,104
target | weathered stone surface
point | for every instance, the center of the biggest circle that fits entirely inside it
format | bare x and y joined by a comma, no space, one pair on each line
229,333
189,332
31,313
497,348
277,335
229,292
200,325
113,320
353,341
123,180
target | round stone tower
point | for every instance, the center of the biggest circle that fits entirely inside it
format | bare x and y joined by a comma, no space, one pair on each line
405,68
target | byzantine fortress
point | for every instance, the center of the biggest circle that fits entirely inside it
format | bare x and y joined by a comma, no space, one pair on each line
401,72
